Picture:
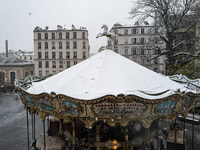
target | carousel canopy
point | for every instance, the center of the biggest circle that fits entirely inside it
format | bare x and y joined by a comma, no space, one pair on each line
108,73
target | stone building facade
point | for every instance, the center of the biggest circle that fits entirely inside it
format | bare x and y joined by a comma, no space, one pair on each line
57,50
14,68
139,43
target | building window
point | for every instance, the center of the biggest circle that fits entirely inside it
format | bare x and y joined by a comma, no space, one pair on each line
40,73
116,50
142,31
126,52
74,45
46,36
74,35
67,35
67,45
53,55
84,55
75,62
60,35
46,64
142,40
2,77
46,55
125,41
30,57
53,45
67,54
46,45
155,69
156,60
26,74
126,31
60,55
52,35
61,64
39,45
68,64
134,51
60,45
54,72
142,51
39,36
47,72
39,55
40,64
115,31
134,40
31,72
24,57
84,45
75,55
53,64
83,35
134,31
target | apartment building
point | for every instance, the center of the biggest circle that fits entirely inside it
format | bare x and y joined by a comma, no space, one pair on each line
57,50
139,43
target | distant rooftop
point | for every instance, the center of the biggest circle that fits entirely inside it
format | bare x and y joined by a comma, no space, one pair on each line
3,55
13,62
59,27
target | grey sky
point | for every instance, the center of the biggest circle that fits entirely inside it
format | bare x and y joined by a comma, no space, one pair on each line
19,18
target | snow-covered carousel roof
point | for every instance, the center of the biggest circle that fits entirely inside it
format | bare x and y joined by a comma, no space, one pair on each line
108,73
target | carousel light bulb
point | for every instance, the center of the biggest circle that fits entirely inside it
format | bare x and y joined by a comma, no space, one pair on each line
90,127
96,118
112,119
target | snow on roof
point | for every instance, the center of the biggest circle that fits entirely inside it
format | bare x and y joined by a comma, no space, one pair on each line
108,73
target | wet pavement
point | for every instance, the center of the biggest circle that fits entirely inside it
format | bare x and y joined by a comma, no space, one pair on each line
13,125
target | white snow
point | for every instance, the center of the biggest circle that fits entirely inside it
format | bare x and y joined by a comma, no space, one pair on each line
107,73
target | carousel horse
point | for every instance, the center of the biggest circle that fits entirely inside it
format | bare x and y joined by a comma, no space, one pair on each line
110,35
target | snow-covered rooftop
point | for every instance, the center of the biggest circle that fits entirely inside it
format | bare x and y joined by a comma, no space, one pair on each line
108,73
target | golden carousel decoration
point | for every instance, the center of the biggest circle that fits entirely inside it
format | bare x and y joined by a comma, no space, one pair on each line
96,103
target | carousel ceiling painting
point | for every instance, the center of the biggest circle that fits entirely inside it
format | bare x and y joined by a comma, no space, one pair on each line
107,87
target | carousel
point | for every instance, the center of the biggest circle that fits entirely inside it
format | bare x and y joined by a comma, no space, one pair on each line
105,102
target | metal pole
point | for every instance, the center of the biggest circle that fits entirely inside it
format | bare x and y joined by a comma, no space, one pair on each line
184,134
193,131
157,134
27,127
44,134
34,125
175,134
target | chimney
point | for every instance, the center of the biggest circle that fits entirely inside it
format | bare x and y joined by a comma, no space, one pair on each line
6,48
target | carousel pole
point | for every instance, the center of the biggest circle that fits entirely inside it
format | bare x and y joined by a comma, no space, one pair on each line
73,130
44,134
157,133
98,136
126,139
27,127
193,131
34,125
184,133
175,134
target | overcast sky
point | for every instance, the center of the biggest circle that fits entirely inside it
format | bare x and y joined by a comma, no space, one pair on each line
19,18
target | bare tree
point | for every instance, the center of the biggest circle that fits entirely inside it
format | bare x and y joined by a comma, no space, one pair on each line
176,19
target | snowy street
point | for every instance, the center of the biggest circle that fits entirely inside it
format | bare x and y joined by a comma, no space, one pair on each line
13,131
